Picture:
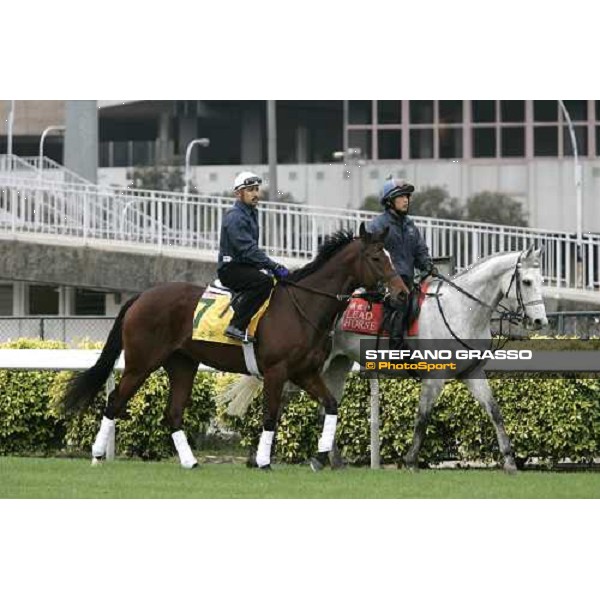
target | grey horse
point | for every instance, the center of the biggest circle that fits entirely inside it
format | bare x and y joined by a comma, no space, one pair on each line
458,309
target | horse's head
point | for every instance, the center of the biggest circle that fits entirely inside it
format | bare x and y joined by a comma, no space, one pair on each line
525,287
373,264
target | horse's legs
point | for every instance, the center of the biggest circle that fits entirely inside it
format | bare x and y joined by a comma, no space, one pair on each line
316,387
273,389
182,372
115,407
334,378
480,388
430,390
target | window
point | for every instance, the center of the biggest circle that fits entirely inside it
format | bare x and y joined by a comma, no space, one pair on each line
580,137
421,143
361,138
43,300
545,110
360,112
597,141
512,141
483,111
451,111
389,112
545,141
577,109
6,300
390,143
512,111
89,302
484,142
597,110
450,139
421,111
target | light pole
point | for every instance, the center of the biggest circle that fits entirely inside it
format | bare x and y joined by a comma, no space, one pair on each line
42,139
578,195
11,118
351,156
578,185
204,142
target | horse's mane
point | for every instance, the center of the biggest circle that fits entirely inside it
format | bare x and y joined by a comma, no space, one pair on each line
481,262
331,245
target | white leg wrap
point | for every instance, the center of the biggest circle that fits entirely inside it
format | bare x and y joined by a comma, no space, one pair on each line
187,458
326,439
107,428
263,454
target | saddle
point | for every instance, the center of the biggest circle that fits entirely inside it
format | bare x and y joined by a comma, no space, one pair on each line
214,311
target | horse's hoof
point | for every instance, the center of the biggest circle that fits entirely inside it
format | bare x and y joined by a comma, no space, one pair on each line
251,463
265,468
510,468
316,465
411,466
188,466
339,466
96,462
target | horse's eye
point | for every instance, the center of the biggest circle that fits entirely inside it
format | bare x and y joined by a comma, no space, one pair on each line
527,282
376,258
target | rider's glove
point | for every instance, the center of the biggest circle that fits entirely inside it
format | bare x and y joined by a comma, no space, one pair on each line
280,272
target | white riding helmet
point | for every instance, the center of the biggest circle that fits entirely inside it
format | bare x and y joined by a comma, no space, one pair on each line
246,179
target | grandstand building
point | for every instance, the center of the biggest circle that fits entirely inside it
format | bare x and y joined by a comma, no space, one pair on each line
519,147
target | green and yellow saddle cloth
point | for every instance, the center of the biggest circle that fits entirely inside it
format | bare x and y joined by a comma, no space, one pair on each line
213,313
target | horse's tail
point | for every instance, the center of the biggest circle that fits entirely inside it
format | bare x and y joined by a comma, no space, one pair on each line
240,394
83,387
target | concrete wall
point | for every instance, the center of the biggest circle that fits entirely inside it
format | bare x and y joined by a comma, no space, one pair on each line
31,117
80,266
544,186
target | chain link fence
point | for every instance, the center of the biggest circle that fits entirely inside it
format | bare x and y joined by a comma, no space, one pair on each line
71,330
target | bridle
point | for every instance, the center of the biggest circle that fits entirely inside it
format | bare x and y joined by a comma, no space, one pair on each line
342,298
506,314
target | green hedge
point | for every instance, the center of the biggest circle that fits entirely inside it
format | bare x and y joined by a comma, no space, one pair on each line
31,420
552,419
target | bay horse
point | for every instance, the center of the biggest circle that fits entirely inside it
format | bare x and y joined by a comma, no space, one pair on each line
154,329
457,312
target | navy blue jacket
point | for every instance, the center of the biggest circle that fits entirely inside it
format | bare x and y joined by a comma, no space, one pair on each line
403,241
239,238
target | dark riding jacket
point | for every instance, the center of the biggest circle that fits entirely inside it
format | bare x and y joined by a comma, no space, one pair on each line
239,238
403,241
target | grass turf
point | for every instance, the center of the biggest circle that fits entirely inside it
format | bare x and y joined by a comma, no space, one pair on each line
75,478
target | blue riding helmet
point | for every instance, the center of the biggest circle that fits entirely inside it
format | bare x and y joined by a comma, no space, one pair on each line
393,188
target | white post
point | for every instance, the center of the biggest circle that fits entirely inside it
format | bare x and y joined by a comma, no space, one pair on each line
375,455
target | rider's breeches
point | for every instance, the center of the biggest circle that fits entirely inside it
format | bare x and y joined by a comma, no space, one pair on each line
255,285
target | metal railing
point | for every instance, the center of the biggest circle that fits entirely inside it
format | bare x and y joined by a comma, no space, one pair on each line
294,231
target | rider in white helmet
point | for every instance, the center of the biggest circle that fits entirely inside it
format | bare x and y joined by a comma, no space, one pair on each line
241,260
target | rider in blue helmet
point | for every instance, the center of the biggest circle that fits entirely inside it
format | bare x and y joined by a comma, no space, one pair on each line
403,241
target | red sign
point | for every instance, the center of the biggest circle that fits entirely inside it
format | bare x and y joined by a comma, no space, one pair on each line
359,319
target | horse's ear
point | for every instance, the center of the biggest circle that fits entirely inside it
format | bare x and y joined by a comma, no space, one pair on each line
364,235
528,252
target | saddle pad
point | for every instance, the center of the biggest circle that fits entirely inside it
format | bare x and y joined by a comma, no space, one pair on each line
210,323
358,318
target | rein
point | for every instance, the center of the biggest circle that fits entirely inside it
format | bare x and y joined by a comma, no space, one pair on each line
513,317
